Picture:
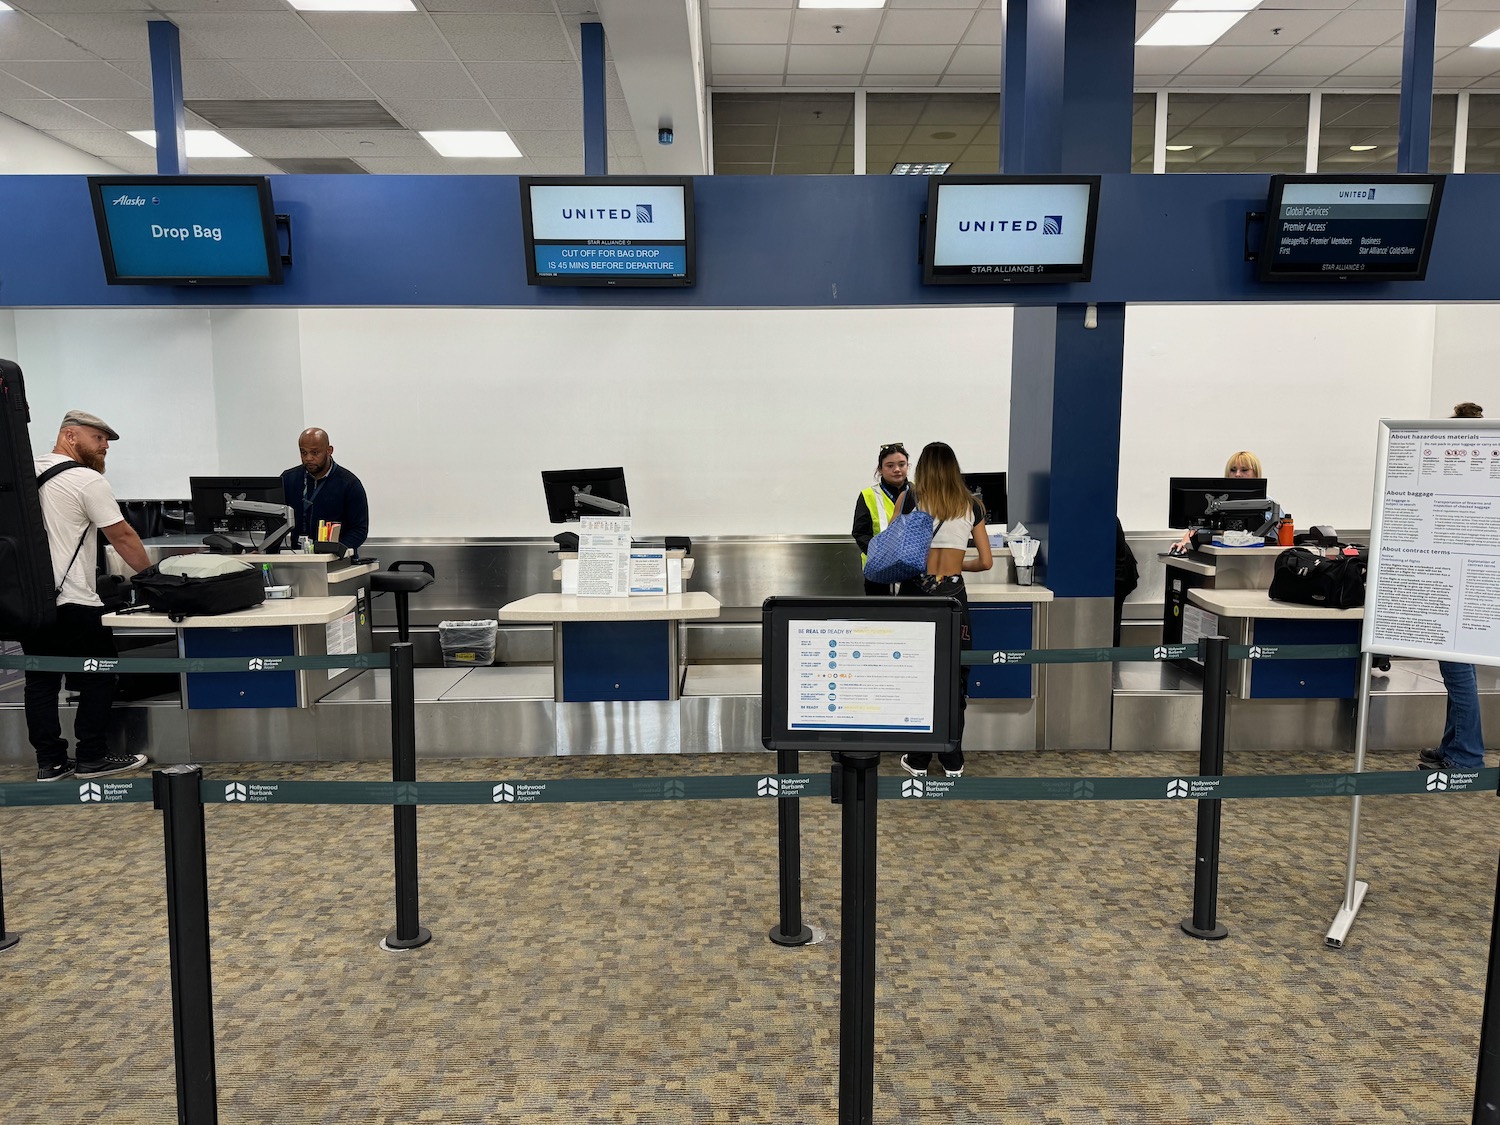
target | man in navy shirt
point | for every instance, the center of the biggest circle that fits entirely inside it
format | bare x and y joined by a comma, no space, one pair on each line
320,490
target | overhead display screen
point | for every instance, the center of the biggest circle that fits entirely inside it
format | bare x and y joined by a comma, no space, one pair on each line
186,230
995,230
608,230
1344,228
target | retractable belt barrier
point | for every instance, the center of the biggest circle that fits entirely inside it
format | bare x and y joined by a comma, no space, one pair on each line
130,665
1148,653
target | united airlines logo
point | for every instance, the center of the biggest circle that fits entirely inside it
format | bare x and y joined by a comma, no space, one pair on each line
92,791
912,788
1049,224
1437,782
236,791
1052,224
503,793
1177,788
643,213
768,787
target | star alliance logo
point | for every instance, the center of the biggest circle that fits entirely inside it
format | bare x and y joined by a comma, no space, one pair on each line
1177,788
1437,782
90,791
236,791
503,793
912,787
768,787
643,213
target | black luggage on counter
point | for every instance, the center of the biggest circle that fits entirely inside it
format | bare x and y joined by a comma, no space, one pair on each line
1305,577
28,588
200,585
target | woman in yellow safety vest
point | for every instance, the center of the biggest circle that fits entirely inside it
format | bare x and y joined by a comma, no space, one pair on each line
881,503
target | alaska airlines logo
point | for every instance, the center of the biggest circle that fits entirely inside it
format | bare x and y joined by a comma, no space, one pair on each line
1049,224
642,213
128,200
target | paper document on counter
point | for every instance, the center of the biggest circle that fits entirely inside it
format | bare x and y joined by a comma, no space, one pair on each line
603,558
648,571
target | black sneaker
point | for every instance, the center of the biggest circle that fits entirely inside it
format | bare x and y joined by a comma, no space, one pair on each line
55,773
1431,759
113,763
911,769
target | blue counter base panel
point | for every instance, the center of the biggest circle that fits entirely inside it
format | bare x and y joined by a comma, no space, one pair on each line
241,689
1000,626
616,660
1305,679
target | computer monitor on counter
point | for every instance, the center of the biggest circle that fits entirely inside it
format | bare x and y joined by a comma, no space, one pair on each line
211,496
989,490
575,493
1188,497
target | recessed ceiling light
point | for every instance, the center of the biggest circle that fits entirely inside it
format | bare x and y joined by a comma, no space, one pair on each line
1490,40
841,3
1215,5
935,168
1363,148
1188,29
1178,148
200,142
353,5
495,143
6,8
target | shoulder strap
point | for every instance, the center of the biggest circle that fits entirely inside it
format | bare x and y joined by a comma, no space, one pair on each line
48,474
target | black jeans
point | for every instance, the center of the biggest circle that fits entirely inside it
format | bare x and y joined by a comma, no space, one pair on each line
951,587
76,633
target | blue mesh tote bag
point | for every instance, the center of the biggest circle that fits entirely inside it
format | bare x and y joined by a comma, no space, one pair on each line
900,551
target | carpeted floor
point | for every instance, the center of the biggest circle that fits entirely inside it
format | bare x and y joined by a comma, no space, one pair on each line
609,962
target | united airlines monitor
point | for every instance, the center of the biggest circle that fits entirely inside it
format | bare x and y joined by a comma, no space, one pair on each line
1349,228
608,230
997,230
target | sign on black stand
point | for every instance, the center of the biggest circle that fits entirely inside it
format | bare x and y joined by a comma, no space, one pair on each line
858,676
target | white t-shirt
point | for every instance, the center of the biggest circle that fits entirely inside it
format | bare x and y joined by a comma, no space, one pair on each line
75,502
954,535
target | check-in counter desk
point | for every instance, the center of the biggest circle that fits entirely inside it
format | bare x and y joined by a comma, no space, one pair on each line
1250,617
1208,568
1006,616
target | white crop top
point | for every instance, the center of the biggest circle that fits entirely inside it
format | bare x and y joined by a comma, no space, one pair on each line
953,535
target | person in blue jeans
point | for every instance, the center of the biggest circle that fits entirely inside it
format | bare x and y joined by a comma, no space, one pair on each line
1462,747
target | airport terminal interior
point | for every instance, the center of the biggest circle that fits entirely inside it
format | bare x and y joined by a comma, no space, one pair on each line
780,166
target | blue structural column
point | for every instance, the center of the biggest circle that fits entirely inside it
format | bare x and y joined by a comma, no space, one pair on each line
595,122
1067,361
1414,143
166,98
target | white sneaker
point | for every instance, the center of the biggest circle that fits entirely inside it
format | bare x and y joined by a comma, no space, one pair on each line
954,773
911,769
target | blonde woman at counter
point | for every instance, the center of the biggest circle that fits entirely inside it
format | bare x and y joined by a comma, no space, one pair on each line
1241,463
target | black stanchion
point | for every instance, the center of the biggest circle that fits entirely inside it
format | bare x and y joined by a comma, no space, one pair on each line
790,929
7,939
860,776
176,792
409,932
1204,923
1487,1081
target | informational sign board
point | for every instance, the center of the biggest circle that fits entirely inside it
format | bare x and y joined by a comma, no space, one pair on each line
1434,583
608,230
1342,228
991,230
877,673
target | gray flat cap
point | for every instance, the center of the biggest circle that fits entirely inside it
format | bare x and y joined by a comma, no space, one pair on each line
84,418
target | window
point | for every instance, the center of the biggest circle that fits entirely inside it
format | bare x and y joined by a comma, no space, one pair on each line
783,134
1236,132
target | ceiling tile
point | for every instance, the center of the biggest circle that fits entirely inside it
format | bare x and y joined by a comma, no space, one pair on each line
298,78
976,60
272,143
969,5
1165,60
777,79
1468,62
986,30
749,25
103,142
555,114
232,167
1358,29
416,80
1381,62
943,26
527,81
1233,61
135,165
41,8
452,114
201,78
850,80
119,113
622,143
24,38
379,143
1459,29
1297,81
49,114
1317,61
952,79
1275,26
253,35
816,25
742,59
402,36
752,3
827,60
13,89
106,35
929,60
76,79
923,79
549,143
519,7
512,38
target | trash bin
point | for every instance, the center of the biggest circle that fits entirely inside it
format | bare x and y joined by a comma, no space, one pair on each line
466,644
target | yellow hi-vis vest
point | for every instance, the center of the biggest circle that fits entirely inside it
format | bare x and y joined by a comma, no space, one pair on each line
882,510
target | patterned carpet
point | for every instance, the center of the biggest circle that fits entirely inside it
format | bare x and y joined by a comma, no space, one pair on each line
609,963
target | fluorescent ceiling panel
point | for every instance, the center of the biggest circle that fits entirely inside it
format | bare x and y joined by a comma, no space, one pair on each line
1188,29
200,142
841,3
473,143
353,5
1490,40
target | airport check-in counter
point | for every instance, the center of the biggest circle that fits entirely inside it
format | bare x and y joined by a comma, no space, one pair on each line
1208,568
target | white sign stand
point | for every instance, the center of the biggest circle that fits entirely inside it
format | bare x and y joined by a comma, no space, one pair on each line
1433,589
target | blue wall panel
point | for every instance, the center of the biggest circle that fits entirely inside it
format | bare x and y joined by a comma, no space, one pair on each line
769,241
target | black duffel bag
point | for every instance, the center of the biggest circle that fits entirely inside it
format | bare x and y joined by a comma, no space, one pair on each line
1307,578
200,585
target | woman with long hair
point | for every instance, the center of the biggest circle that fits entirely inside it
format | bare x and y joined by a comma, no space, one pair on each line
956,516
1241,463
875,507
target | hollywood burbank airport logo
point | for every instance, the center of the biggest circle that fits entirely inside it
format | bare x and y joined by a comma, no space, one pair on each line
236,791
912,787
504,793
90,791
1437,782
768,787
1177,787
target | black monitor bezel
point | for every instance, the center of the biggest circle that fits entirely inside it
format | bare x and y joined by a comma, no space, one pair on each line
274,274
1239,488
776,615
1265,263
553,481
690,240
233,483
1083,272
1004,508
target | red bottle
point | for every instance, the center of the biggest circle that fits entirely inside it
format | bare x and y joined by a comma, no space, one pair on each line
1285,532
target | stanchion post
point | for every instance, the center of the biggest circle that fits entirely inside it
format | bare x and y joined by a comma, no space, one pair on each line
861,770
1204,923
789,929
1487,1081
177,792
409,932
7,939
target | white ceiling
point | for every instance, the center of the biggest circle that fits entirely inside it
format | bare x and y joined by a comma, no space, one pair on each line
79,70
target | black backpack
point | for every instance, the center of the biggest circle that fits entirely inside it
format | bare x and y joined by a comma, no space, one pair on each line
237,585
1307,578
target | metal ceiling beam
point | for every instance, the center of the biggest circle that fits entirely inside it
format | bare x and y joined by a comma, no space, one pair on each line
657,47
